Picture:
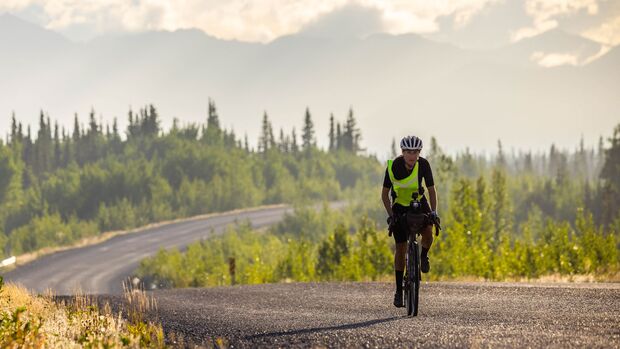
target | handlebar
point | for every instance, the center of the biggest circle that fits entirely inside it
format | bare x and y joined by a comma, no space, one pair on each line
417,220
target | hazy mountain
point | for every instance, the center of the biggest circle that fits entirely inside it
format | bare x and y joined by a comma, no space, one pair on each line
490,28
397,84
551,42
26,37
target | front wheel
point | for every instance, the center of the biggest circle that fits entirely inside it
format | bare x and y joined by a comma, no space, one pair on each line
413,280
416,293
411,302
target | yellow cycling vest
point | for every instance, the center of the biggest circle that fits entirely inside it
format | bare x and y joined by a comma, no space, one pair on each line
405,187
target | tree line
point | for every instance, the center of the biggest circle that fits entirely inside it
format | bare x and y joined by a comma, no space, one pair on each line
508,217
58,186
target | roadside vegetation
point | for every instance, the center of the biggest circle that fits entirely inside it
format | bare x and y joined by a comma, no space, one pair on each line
330,245
28,321
513,217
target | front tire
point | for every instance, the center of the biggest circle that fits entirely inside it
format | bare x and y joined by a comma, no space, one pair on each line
414,282
411,303
416,287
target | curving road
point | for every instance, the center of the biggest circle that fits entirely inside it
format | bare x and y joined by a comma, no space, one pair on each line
101,268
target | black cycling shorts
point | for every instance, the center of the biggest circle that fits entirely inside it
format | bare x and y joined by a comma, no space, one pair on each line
402,228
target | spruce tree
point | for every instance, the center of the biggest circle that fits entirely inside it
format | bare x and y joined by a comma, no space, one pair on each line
14,128
20,132
351,136
610,174
42,147
66,154
339,142
93,128
501,158
294,146
152,124
76,129
307,136
265,140
213,133
282,146
500,207
332,134
115,133
57,151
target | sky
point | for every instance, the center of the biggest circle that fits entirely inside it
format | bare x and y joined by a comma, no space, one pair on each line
472,24
266,20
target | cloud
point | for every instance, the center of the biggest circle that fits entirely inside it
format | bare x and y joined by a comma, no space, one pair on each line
401,16
348,21
235,19
545,14
244,20
607,33
102,16
266,20
549,60
8,5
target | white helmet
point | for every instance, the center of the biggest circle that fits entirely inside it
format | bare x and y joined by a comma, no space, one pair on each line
411,143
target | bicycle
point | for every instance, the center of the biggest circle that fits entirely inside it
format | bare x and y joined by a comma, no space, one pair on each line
413,276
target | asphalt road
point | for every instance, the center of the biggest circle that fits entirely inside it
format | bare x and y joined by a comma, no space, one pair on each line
101,268
452,315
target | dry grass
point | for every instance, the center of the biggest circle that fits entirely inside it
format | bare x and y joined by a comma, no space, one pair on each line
138,302
28,321
550,278
578,278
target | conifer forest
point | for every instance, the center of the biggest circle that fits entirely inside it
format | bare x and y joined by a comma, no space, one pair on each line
509,216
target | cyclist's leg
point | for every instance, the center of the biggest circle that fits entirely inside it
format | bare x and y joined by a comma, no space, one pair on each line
427,241
399,256
427,237
400,239
427,232
400,251
399,272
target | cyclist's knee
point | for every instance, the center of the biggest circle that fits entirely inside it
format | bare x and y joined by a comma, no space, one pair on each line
427,236
428,231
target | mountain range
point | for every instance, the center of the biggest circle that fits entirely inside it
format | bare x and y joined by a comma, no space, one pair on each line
397,84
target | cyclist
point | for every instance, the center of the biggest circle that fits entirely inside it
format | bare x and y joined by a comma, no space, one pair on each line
407,171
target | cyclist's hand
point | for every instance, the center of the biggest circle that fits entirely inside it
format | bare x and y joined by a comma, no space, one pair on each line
436,222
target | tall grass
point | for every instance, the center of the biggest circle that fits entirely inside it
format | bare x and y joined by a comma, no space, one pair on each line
38,321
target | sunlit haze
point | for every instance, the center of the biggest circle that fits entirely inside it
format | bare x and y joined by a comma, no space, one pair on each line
529,73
